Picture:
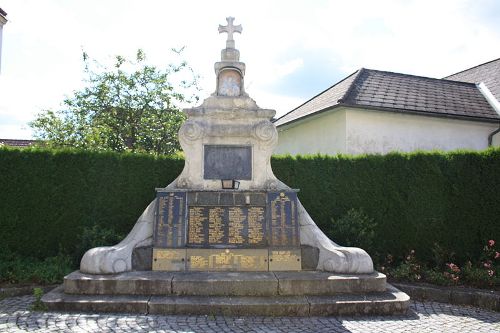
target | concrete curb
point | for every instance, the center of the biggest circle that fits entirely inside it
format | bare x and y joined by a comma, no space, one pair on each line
481,298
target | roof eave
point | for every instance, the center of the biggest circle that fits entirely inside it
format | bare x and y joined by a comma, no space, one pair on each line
395,110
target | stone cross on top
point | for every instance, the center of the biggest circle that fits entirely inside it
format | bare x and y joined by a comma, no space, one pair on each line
230,29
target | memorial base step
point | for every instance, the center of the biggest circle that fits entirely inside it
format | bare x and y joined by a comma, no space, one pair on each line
223,283
390,302
305,293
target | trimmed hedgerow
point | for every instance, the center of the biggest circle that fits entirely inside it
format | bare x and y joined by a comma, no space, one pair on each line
416,200
48,198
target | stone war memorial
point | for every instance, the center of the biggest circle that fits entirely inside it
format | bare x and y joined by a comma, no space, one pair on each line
227,237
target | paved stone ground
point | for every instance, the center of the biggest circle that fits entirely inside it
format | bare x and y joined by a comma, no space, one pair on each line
15,316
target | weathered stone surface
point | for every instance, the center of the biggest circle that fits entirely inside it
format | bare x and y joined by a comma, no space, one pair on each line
129,283
310,257
57,300
230,306
324,283
486,299
142,258
225,283
391,302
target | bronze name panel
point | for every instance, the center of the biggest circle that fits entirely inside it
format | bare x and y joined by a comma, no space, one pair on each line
170,227
227,260
285,260
283,219
169,259
226,226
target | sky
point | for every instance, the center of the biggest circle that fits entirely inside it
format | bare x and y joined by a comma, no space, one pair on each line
293,50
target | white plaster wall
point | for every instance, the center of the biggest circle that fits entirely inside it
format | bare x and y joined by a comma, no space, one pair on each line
496,140
324,133
370,131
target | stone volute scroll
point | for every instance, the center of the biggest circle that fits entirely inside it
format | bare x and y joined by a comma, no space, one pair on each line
198,223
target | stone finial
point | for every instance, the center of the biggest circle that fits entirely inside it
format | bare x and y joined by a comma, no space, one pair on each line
230,29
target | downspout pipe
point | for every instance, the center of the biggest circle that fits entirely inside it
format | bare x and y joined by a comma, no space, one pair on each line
494,104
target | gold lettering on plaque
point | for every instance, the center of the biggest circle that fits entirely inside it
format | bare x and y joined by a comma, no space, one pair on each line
170,219
285,260
247,262
196,221
283,219
236,219
283,256
227,259
198,262
215,225
255,219
162,224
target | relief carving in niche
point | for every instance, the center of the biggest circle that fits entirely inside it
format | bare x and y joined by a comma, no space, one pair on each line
229,83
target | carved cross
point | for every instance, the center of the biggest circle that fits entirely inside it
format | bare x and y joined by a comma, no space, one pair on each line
230,29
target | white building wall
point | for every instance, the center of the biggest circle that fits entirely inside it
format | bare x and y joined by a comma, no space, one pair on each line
324,133
370,131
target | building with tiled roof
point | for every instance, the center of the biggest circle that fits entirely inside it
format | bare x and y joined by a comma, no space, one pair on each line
373,111
488,73
19,143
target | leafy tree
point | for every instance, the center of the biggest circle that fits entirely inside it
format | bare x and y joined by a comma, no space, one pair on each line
129,107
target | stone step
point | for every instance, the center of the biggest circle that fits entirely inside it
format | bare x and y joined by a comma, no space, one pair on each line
391,301
223,283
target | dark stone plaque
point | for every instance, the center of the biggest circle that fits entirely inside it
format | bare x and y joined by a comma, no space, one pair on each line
227,162
169,229
226,226
283,221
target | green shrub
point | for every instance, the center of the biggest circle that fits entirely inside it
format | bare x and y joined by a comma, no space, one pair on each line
26,270
96,236
353,229
37,303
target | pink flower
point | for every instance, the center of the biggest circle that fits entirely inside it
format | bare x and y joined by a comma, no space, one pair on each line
453,267
491,243
497,255
487,265
491,272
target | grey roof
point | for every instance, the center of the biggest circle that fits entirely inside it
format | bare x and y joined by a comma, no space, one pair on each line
17,142
489,73
373,89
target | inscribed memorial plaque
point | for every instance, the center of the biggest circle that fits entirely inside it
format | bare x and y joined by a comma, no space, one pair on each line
226,226
282,217
169,259
227,260
169,230
285,260
227,162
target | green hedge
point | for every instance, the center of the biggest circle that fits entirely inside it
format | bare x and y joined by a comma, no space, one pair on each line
417,199
47,198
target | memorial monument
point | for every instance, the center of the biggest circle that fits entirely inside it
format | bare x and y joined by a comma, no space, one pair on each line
228,230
